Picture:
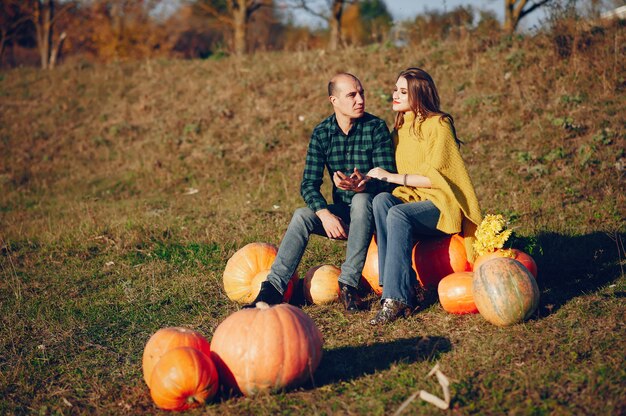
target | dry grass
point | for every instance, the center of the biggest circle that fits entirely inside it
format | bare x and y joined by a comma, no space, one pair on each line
102,242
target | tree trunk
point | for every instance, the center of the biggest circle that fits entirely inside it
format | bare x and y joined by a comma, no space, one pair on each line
2,46
54,54
240,23
512,14
335,25
44,13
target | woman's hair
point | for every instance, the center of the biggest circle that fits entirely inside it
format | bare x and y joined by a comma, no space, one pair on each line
423,99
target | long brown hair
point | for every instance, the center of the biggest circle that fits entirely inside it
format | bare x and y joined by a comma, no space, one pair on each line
423,99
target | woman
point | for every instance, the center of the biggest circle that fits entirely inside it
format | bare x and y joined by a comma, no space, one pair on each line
435,196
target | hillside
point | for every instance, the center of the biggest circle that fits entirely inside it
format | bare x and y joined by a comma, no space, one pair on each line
125,188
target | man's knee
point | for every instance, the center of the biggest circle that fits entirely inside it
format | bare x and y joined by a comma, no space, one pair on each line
361,205
303,216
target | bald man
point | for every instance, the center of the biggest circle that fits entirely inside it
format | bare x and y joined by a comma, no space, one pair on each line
347,143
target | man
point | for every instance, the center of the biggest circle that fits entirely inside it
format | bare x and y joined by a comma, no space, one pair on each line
347,143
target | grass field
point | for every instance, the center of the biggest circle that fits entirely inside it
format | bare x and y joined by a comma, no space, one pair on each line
125,188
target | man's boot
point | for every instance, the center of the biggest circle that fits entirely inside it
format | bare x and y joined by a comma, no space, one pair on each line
349,297
268,294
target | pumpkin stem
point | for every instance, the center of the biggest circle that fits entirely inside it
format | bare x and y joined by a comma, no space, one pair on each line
262,305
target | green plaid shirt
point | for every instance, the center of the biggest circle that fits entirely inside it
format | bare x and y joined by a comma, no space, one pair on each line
367,145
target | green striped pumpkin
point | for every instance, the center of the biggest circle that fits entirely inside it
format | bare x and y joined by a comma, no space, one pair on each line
505,292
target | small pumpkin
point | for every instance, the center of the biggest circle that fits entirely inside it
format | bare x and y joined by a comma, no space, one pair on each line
166,339
433,259
513,253
505,292
266,349
321,284
182,379
370,269
456,294
247,269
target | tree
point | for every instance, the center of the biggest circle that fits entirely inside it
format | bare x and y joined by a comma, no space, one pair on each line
331,11
515,10
235,14
43,14
366,21
114,29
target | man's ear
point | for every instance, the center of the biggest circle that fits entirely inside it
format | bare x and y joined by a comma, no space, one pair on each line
332,99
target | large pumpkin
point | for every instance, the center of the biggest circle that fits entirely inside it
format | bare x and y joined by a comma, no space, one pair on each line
370,269
247,269
505,291
166,339
183,378
516,254
456,294
433,259
321,284
266,349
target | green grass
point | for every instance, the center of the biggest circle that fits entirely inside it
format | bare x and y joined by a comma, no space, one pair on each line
102,244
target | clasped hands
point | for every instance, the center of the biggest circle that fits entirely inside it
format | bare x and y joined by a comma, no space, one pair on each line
356,181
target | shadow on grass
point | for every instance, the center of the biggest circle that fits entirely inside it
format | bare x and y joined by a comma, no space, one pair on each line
570,266
349,363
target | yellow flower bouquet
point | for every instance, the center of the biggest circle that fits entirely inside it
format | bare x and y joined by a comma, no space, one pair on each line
491,234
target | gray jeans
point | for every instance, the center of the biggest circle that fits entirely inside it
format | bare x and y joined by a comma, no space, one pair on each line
305,222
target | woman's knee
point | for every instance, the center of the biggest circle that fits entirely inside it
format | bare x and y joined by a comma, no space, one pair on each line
396,216
383,202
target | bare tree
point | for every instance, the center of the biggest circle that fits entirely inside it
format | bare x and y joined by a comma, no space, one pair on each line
331,13
515,10
43,14
236,15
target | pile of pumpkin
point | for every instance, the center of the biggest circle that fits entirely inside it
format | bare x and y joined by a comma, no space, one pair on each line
500,285
262,349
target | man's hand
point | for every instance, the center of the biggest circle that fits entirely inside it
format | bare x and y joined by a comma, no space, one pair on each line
342,181
355,182
359,180
333,225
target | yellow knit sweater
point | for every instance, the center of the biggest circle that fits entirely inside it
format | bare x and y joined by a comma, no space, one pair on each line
433,153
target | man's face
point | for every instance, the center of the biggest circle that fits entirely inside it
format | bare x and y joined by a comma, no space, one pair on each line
349,98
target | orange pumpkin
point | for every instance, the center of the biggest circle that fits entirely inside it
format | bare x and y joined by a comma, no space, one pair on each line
505,291
166,339
266,349
433,259
370,269
247,269
456,294
183,378
321,284
515,254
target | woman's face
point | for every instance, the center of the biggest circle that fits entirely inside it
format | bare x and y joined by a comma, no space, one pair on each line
401,96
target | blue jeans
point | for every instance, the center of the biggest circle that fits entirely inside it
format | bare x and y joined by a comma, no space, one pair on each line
358,215
398,226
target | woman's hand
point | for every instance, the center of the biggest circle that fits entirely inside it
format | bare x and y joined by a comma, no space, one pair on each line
379,173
